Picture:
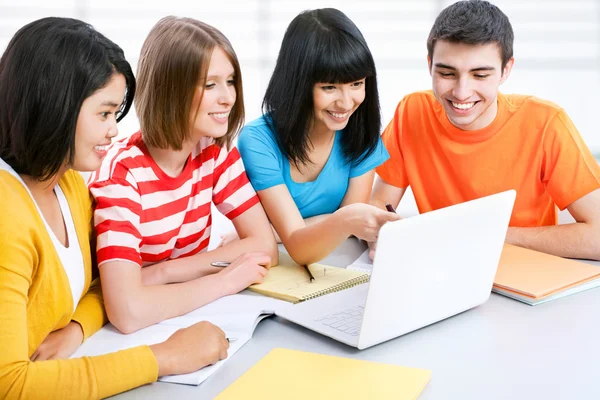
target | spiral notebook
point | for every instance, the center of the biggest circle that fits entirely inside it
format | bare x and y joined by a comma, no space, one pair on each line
290,282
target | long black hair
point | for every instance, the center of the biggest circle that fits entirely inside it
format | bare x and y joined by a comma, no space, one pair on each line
325,46
48,69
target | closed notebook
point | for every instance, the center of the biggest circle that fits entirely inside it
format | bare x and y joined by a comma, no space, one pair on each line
534,277
290,282
297,375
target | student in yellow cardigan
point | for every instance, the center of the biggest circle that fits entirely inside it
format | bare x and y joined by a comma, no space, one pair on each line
63,87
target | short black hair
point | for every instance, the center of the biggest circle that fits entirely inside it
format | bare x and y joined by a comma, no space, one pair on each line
473,22
48,69
321,45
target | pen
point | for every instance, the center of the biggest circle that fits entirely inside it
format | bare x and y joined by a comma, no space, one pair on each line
389,207
231,339
310,275
222,264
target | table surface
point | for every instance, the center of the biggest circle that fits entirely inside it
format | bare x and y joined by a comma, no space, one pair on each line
502,349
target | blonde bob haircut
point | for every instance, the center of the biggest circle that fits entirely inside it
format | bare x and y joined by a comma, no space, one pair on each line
173,63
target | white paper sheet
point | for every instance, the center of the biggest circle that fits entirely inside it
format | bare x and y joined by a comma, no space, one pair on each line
237,315
363,263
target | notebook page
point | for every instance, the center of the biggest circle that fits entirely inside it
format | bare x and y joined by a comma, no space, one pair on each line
290,281
109,339
237,315
363,263
237,312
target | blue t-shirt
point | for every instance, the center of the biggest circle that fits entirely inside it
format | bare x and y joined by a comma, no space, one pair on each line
267,167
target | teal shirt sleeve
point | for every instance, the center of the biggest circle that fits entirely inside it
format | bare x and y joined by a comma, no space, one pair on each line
375,159
261,156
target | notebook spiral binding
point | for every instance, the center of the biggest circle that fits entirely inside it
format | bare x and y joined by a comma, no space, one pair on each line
345,285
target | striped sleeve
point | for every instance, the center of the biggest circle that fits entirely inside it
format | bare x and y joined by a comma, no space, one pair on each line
117,220
232,192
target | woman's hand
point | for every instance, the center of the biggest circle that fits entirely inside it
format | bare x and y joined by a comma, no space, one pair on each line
247,269
372,249
191,348
364,220
60,344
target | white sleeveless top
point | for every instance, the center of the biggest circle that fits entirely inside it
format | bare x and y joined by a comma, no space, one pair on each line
70,257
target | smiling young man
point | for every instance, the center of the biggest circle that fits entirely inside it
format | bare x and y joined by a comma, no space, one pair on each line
464,140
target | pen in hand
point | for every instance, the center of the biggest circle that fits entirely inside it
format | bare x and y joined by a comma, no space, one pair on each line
224,264
389,207
310,275
221,264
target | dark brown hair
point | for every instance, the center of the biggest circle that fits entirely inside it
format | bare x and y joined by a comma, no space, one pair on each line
174,60
473,22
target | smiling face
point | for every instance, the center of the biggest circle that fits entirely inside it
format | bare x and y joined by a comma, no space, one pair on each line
465,81
334,103
216,97
97,124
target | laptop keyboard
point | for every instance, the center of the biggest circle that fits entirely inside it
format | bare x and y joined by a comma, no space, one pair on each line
347,321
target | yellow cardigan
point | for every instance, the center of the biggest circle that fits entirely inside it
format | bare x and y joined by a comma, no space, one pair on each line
35,299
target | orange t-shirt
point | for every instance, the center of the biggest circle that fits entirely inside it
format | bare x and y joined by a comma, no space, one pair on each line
531,146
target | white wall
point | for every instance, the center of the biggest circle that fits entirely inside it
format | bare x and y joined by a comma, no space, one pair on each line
557,46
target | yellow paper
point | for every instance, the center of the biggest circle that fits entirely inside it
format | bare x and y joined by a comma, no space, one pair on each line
297,375
290,281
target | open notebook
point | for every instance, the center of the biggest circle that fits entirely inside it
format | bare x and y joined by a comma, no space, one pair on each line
534,278
291,374
290,282
237,315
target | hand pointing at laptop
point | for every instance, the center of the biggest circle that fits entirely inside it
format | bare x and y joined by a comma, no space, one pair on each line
364,220
373,244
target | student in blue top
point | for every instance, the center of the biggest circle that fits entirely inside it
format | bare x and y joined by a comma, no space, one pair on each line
311,156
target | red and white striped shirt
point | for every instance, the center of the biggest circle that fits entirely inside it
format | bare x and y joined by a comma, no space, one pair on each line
146,216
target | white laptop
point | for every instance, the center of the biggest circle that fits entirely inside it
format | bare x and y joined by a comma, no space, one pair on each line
426,268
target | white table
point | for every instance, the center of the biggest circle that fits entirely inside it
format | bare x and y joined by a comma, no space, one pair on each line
502,349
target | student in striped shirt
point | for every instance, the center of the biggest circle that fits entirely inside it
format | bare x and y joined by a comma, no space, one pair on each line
154,189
